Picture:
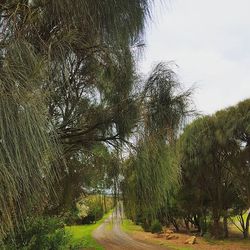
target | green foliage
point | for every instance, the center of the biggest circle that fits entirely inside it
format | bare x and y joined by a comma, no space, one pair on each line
65,67
82,234
152,171
88,209
95,209
214,158
71,217
156,227
27,143
39,233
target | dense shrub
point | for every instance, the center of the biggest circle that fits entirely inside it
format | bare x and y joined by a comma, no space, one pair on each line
42,233
92,208
156,227
71,217
146,226
88,210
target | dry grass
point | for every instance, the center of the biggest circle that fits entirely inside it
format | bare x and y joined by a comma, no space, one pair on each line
235,243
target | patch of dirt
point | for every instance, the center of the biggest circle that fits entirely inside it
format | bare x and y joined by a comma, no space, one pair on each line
201,243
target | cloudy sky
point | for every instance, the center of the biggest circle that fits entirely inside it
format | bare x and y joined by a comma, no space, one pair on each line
210,42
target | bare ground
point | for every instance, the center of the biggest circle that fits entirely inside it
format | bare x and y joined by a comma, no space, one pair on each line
202,244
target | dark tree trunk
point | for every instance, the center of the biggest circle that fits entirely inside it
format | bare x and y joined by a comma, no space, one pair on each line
175,224
216,227
203,224
216,230
197,223
246,229
187,225
225,226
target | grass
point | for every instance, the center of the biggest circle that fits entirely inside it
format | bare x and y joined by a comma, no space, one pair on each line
129,226
229,241
82,234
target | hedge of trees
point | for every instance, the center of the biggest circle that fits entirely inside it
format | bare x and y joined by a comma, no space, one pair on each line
214,159
213,156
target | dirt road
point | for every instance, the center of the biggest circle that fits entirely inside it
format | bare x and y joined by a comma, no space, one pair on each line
110,235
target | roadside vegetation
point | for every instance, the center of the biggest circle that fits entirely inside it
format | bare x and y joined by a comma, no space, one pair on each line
81,235
212,197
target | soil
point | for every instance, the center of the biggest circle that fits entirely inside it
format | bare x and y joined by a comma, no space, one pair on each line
201,243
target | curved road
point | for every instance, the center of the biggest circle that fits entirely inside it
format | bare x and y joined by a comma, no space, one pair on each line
111,237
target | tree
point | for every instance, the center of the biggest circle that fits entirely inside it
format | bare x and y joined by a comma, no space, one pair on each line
151,171
214,160
61,61
202,161
235,128
27,151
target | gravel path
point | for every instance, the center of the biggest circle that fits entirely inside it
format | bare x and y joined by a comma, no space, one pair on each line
110,235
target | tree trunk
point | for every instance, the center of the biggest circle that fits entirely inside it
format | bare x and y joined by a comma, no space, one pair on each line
216,227
175,224
187,225
225,226
105,204
197,224
203,224
246,229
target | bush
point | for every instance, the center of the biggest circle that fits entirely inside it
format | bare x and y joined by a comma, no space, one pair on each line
71,217
42,233
156,227
146,226
90,209
207,236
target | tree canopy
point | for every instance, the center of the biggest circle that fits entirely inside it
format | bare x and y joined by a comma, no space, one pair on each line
67,76
214,157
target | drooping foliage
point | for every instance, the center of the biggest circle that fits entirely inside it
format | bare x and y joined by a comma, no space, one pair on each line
27,148
152,172
66,80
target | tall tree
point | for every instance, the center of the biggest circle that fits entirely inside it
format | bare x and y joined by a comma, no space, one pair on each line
151,172
214,158
60,61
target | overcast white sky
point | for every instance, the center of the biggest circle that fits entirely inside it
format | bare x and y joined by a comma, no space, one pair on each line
210,42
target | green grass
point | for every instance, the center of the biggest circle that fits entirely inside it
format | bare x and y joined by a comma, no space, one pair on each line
82,234
129,226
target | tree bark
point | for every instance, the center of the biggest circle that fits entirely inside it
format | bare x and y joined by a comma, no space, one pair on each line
203,224
216,227
175,224
246,229
187,225
225,226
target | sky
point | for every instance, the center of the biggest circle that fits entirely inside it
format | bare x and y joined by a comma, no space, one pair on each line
209,40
